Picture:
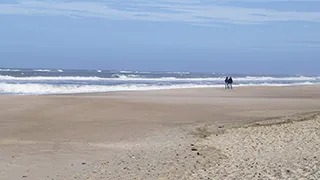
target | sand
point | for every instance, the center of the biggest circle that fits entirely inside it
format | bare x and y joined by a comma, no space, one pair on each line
288,148
246,133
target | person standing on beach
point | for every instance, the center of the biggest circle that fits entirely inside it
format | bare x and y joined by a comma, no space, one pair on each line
226,86
230,81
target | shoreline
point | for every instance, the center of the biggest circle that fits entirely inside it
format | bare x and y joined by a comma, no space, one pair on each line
157,90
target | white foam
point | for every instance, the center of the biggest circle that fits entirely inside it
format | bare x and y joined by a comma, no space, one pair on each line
181,73
142,72
42,70
60,70
276,84
125,72
99,71
125,77
9,70
119,77
268,78
38,89
52,78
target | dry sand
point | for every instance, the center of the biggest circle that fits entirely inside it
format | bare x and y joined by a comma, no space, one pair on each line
287,148
172,134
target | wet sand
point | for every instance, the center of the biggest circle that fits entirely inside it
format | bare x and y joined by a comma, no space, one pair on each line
169,134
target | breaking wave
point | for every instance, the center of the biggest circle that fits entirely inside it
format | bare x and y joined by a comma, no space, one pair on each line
42,70
42,89
9,70
58,81
38,89
132,77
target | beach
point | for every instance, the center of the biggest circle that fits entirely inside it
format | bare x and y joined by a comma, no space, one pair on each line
205,133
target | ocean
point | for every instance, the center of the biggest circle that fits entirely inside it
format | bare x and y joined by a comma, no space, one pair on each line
60,81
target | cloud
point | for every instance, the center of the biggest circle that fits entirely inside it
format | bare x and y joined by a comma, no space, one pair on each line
193,12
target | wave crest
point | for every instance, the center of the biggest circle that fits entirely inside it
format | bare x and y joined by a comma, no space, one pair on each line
38,89
132,77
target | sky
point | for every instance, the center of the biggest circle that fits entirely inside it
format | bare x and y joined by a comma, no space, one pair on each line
239,36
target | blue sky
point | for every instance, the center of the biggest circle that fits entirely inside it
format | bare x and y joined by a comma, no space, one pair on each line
246,36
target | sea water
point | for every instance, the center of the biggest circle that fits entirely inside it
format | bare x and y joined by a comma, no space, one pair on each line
59,81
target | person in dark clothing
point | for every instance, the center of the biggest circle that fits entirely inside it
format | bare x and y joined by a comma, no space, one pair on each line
230,81
226,83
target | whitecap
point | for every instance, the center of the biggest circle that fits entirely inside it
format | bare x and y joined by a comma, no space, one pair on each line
42,70
132,77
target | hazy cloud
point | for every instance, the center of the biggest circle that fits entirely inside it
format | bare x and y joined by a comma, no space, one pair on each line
193,12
